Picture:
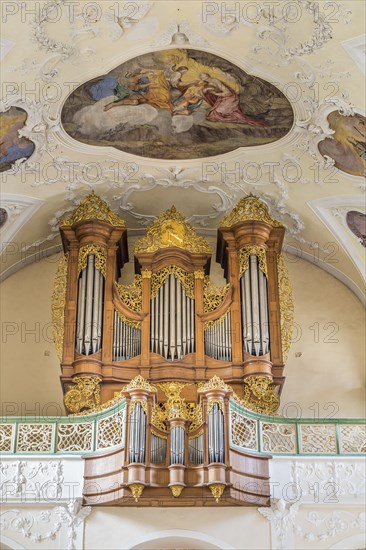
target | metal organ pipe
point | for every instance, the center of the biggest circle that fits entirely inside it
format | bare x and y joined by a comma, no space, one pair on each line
137,434
216,443
172,324
126,340
254,306
177,445
89,309
218,339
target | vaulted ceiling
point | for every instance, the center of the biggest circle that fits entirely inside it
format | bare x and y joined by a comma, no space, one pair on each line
313,52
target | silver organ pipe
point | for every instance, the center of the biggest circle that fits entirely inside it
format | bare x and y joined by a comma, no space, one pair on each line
218,339
177,445
126,340
89,309
216,442
172,327
158,449
195,449
137,434
254,308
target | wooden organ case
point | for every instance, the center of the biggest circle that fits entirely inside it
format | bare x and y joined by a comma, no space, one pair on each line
176,348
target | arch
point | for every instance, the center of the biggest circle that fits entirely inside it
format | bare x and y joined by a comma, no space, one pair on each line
355,542
179,538
9,544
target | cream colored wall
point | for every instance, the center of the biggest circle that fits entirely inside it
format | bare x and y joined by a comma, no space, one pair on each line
328,372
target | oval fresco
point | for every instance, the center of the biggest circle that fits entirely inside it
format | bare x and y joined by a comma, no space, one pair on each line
177,104
12,146
356,222
347,146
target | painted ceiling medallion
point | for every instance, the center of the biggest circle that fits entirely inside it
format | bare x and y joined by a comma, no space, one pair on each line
12,145
177,104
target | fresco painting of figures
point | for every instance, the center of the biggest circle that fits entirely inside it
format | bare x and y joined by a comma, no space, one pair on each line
347,146
177,104
12,146
356,222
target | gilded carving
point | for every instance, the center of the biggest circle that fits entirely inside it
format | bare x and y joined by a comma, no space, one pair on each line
58,301
215,383
93,208
100,256
139,383
258,251
171,230
136,490
249,208
84,393
286,305
131,295
185,278
217,489
259,395
175,407
176,490
213,296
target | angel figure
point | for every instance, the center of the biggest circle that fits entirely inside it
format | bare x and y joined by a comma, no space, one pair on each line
282,518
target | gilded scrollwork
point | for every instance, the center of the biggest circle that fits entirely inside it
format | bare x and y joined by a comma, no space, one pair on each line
175,407
286,305
249,208
131,295
259,395
100,256
171,230
58,301
83,393
213,296
185,278
215,383
93,208
139,383
258,251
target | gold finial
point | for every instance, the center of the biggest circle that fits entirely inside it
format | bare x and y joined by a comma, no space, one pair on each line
215,383
136,490
249,208
176,490
139,383
93,208
171,230
217,489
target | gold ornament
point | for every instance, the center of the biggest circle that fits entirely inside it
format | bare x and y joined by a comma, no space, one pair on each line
171,230
175,407
215,383
131,295
258,251
93,208
249,208
83,394
134,402
259,395
199,274
211,403
176,490
286,305
138,383
58,302
213,296
99,253
185,278
146,274
217,489
136,490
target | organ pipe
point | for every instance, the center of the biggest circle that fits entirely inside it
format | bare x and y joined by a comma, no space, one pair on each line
254,308
195,449
177,445
218,339
126,340
157,449
89,309
216,444
172,327
137,434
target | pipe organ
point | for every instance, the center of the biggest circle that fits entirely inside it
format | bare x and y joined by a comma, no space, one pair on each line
173,345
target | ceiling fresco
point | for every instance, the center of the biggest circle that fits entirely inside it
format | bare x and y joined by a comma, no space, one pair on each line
154,103
177,104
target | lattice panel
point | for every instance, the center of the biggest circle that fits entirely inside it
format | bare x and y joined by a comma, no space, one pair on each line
75,437
353,438
110,430
243,431
318,439
6,434
35,438
279,438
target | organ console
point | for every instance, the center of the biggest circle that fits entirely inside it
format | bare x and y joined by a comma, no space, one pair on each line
176,347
